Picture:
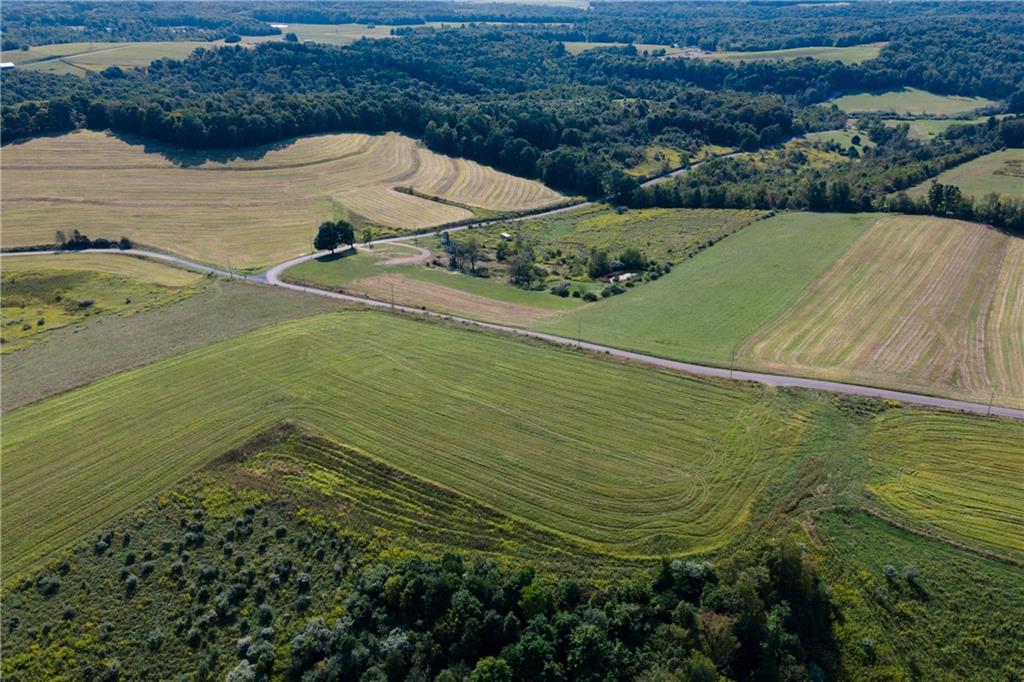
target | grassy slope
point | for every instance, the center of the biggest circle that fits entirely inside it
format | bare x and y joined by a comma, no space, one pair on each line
1001,172
482,415
911,102
100,347
853,54
961,622
44,293
710,304
213,208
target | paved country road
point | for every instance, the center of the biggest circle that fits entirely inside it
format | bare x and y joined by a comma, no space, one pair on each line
273,278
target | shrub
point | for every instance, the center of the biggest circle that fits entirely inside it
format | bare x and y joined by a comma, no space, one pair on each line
911,573
589,297
889,571
561,290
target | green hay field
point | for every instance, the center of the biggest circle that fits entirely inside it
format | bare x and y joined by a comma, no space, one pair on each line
910,102
1001,172
707,306
547,436
70,357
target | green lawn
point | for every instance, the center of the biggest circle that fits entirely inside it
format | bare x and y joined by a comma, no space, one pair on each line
910,102
1001,172
927,128
711,303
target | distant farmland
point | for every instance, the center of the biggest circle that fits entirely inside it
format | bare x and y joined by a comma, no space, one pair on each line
1001,172
920,303
249,207
848,55
910,102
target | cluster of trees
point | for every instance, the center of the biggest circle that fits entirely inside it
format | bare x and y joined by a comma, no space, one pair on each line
332,234
764,616
78,241
786,181
947,200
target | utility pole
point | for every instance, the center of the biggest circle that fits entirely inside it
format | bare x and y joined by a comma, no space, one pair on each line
579,333
392,295
231,273
988,412
732,364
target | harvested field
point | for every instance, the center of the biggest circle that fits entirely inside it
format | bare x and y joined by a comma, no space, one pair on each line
416,292
910,102
923,304
251,207
1001,172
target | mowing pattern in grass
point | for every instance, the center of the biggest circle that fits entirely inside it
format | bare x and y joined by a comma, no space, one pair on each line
919,303
44,293
706,307
1001,172
960,619
365,495
910,102
548,436
927,128
962,480
102,346
252,207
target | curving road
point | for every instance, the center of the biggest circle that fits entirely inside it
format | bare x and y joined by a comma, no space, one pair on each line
273,277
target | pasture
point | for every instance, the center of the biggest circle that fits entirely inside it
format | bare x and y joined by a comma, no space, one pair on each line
929,128
910,102
1001,172
44,293
924,304
474,413
244,208
708,305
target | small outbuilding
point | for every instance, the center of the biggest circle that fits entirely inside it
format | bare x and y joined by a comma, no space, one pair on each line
6,65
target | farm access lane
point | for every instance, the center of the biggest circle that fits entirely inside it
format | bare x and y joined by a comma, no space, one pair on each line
272,277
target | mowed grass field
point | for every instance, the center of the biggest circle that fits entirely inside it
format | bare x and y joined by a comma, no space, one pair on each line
251,208
629,463
854,54
710,304
918,303
928,128
848,55
910,102
1001,172
548,436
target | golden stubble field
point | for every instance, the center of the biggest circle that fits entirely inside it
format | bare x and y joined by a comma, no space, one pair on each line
918,303
253,207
